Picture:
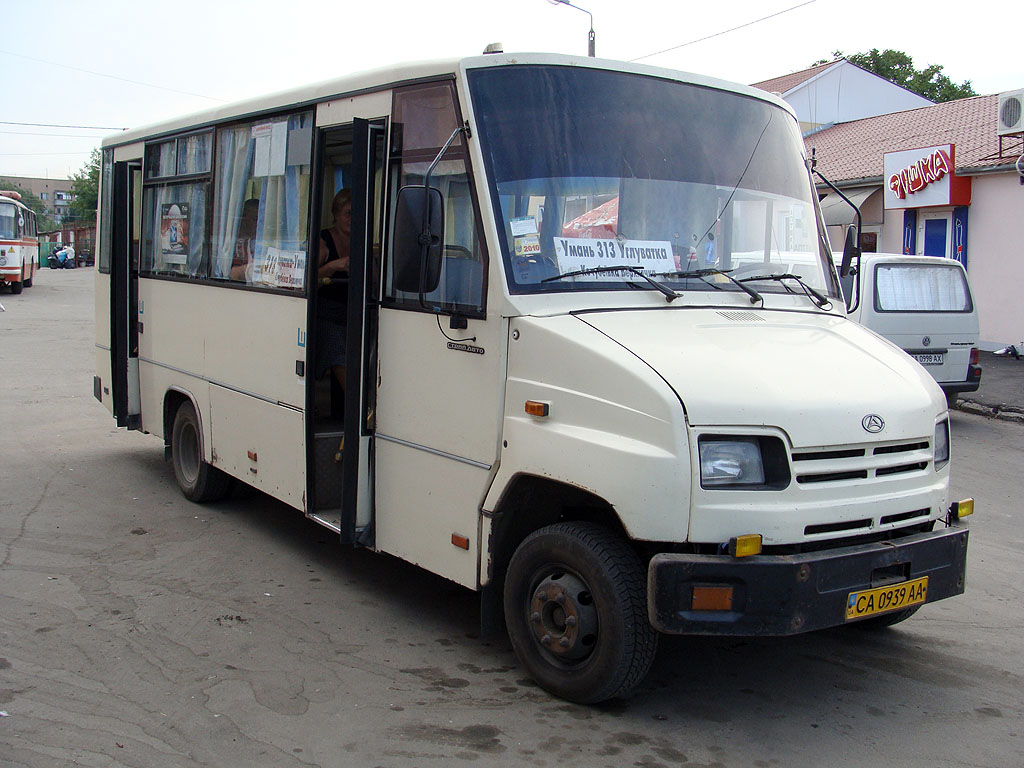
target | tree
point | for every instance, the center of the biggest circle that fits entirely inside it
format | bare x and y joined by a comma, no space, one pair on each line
897,67
44,222
86,185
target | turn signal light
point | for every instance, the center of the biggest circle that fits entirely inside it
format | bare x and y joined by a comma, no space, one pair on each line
745,546
462,542
961,509
536,408
711,599
975,356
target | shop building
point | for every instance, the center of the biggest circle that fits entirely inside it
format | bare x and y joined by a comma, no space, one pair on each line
941,180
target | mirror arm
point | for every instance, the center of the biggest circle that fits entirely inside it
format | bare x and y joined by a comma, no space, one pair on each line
425,234
845,268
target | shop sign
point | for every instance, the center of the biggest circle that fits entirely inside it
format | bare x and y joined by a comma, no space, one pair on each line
917,178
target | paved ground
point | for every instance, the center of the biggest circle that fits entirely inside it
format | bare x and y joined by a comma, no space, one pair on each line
137,629
1002,388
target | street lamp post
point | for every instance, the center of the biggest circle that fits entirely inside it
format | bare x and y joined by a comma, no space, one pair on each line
590,38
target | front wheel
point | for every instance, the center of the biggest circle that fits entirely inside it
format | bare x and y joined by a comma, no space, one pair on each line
576,610
198,480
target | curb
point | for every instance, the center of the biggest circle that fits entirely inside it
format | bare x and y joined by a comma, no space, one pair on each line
1002,412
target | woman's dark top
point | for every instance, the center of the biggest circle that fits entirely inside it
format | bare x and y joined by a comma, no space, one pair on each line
335,290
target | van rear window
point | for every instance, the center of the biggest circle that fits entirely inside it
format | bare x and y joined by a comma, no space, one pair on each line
921,288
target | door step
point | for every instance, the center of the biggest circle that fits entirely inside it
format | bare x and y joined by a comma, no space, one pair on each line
328,518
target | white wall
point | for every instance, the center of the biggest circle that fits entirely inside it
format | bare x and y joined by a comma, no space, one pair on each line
995,257
846,92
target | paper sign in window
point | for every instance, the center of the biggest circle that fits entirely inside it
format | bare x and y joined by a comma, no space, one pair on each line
271,148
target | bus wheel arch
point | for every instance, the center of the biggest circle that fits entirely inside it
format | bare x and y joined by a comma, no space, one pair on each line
198,480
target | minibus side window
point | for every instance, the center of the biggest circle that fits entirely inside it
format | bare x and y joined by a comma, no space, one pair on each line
261,215
424,117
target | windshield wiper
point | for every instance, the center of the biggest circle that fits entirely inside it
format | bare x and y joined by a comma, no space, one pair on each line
670,295
822,301
704,273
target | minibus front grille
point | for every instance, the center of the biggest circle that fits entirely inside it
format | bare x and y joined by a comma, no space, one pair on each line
904,516
852,463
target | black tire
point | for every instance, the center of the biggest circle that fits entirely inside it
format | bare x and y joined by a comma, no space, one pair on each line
16,286
198,480
951,398
576,610
885,620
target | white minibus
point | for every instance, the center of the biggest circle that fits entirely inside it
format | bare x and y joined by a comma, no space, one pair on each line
562,330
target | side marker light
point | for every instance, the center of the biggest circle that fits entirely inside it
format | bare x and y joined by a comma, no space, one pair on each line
536,408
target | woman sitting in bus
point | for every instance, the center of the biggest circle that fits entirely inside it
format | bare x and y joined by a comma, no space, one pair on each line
332,297
245,243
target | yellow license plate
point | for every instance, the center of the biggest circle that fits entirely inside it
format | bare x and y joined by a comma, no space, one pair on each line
870,602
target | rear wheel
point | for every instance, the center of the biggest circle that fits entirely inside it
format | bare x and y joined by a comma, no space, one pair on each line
576,610
951,398
198,480
16,286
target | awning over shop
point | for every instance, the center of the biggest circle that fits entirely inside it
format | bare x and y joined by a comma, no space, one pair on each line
837,211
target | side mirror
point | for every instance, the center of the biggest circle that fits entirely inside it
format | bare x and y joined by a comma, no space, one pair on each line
418,247
851,250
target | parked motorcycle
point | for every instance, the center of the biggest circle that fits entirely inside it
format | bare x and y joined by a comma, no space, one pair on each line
1010,351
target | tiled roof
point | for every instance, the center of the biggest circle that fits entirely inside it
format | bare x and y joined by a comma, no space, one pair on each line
854,150
787,83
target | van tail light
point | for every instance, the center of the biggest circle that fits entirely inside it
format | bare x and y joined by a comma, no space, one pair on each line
975,356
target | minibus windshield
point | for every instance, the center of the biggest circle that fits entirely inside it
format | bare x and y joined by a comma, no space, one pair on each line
595,168
8,215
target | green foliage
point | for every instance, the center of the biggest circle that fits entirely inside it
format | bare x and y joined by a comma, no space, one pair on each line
86,185
897,67
44,222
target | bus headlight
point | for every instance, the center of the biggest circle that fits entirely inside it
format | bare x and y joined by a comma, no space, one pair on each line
941,444
725,463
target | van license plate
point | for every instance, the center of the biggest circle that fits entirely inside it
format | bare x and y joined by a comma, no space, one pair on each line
929,359
869,602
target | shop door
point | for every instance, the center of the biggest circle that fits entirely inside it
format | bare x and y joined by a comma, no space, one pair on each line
935,235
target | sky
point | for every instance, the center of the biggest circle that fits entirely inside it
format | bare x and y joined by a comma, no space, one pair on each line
112,64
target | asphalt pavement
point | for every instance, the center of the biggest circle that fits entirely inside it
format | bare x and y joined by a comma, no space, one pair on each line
1001,394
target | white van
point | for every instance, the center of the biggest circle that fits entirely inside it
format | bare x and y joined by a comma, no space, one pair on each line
922,304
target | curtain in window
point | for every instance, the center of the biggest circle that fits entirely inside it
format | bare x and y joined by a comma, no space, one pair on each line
234,159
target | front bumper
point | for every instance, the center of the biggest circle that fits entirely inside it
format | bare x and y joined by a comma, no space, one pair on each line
789,594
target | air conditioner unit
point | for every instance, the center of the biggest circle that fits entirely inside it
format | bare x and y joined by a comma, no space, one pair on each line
1011,113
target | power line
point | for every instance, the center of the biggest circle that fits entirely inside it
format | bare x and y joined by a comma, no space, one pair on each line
58,125
724,31
40,154
66,135
112,77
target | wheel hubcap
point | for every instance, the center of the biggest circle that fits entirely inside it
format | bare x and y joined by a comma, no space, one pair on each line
563,618
189,453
